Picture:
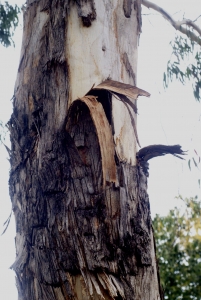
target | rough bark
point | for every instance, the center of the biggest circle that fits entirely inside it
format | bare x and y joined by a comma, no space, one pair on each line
80,233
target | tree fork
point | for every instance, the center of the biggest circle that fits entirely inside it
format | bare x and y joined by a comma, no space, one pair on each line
80,234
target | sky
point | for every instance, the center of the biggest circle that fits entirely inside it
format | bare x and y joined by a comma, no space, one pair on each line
168,117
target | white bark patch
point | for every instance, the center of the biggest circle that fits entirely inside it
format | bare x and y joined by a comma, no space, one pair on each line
124,137
97,53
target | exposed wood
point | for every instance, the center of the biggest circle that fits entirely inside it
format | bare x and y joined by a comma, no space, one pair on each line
123,91
152,151
96,54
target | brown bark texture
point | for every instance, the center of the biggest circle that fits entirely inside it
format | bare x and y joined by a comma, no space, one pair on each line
83,226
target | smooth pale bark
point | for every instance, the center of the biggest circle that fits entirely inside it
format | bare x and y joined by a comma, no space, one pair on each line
80,233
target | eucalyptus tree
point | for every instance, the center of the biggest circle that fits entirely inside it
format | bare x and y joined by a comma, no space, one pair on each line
178,244
77,183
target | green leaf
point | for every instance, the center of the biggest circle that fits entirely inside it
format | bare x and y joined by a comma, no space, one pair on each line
8,23
194,162
178,244
182,48
189,164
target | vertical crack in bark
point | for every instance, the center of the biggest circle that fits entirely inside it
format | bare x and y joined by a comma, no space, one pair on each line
161,291
129,68
137,7
127,8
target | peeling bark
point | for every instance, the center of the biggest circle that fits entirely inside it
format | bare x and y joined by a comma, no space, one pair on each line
128,67
83,226
104,135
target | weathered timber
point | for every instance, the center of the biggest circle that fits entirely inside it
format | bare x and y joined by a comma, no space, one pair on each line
152,151
81,233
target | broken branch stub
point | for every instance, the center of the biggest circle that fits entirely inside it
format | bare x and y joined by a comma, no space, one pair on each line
104,134
152,151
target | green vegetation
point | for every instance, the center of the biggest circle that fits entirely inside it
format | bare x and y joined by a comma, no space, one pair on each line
182,49
178,242
8,23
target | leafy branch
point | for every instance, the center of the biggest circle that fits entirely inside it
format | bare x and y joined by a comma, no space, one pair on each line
178,25
8,23
178,241
182,47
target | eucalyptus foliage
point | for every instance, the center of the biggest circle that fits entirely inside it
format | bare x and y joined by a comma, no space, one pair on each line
8,22
178,242
182,49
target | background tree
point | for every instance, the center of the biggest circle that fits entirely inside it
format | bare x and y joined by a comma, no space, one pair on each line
8,22
184,45
178,244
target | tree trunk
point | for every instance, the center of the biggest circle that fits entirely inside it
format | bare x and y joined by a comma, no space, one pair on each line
79,198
